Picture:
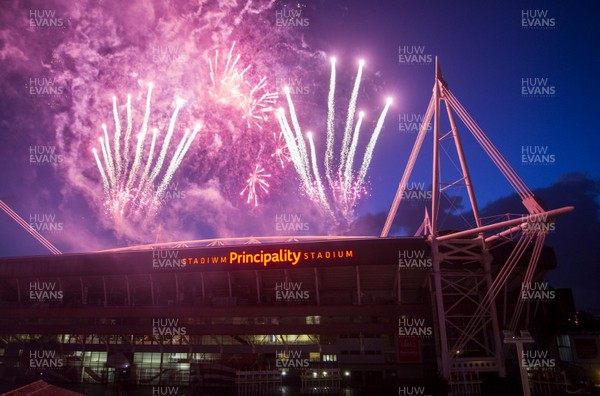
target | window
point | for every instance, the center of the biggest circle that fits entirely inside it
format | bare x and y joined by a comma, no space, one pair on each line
564,348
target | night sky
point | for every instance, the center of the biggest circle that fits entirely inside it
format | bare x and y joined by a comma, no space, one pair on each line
527,72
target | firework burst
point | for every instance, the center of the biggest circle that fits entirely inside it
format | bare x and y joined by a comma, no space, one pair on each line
133,180
342,186
230,86
256,179
281,153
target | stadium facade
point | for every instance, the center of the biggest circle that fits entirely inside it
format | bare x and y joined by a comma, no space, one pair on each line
310,316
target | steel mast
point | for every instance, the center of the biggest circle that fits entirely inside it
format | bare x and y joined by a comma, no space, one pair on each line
464,295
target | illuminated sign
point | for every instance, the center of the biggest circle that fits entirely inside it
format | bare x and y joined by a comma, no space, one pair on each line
404,253
265,258
282,256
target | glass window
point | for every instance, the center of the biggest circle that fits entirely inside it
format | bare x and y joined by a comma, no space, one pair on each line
330,358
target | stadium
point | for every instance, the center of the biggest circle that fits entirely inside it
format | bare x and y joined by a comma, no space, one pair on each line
317,315
442,312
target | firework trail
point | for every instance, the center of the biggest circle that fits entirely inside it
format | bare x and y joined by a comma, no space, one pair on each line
344,185
352,149
229,86
256,178
177,159
371,146
131,189
350,114
320,190
330,123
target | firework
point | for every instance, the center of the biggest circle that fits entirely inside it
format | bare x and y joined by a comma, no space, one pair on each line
256,179
230,99
130,186
282,152
230,86
258,103
226,81
343,186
